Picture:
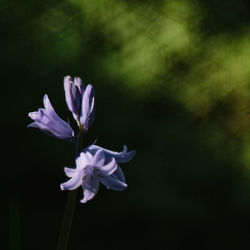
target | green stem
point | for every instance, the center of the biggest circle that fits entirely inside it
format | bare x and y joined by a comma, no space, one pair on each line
70,208
67,220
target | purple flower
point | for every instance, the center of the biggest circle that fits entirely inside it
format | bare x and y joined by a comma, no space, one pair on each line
49,122
120,157
92,169
80,101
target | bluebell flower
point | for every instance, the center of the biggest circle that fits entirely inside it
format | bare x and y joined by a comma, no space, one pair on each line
80,101
92,169
49,122
120,157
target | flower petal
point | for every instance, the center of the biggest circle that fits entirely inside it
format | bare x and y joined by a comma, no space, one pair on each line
121,157
44,128
47,104
111,182
34,115
118,174
70,172
90,187
88,106
73,183
98,159
82,161
72,96
32,125
79,85
110,167
49,110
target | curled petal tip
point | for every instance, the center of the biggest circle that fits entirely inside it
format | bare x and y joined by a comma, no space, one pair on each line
78,81
67,77
46,101
125,148
33,115
45,97
70,172
32,125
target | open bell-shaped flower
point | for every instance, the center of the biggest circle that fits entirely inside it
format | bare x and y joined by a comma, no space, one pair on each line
120,157
80,101
90,171
47,120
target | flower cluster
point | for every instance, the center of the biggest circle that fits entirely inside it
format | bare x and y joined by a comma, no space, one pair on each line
94,164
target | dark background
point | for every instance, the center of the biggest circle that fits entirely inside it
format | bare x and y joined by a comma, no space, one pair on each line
172,80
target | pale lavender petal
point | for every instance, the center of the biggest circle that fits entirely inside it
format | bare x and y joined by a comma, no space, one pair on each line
73,183
110,182
78,163
90,187
70,172
90,156
54,128
98,159
110,167
118,174
88,106
32,125
44,128
79,85
73,97
120,157
48,106
82,161
50,112
34,115
49,122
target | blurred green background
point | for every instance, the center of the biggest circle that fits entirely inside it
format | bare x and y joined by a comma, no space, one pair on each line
172,80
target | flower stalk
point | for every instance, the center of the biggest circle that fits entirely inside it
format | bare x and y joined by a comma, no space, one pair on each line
69,211
67,220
